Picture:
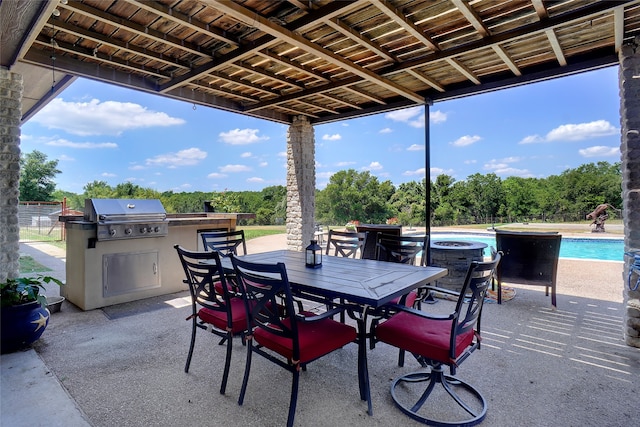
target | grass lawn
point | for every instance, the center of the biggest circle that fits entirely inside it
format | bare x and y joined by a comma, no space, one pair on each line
30,265
253,231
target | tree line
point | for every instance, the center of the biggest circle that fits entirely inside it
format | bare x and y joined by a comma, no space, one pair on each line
359,196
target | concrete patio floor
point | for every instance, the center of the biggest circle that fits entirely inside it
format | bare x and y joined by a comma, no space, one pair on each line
123,365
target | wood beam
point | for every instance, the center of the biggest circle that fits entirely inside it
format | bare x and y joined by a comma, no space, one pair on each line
117,44
463,70
132,27
261,23
361,40
472,16
424,78
555,45
186,20
506,58
400,19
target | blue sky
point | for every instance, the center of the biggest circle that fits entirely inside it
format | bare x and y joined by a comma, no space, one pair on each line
105,133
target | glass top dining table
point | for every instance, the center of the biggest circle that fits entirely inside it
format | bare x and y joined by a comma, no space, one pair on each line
361,283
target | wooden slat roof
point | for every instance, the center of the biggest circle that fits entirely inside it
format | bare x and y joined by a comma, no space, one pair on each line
328,60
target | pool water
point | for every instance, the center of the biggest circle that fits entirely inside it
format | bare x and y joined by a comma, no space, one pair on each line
600,249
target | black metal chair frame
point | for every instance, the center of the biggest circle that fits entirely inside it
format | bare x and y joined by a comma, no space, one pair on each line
403,250
203,271
270,306
464,319
529,258
346,244
225,242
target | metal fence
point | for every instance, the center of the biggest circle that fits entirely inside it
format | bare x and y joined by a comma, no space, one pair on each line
39,221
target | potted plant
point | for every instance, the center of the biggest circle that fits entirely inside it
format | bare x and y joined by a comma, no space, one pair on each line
24,313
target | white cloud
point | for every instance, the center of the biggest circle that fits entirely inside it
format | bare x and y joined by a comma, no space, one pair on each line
263,164
414,116
437,116
502,167
334,137
241,136
188,157
234,168
81,145
385,130
470,162
434,172
136,168
345,164
108,175
373,166
255,179
417,172
404,115
100,118
216,175
416,147
531,139
245,154
575,132
600,151
65,158
463,141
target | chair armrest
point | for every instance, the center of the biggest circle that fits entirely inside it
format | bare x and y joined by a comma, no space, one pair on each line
421,313
316,317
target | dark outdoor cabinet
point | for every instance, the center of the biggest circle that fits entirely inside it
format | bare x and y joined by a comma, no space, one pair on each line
528,259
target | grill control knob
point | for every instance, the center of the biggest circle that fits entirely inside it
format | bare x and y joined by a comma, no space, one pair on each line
112,232
156,229
143,230
127,231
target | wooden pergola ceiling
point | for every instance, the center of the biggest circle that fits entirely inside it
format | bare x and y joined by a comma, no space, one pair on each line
328,60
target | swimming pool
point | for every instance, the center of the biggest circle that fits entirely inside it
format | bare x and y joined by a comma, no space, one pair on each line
571,247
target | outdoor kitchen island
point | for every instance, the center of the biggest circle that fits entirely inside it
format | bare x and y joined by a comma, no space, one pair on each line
122,266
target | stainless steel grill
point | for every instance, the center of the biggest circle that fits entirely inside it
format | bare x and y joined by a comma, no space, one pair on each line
119,219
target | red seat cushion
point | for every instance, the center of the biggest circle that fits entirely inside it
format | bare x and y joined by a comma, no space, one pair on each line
219,318
411,298
316,339
426,337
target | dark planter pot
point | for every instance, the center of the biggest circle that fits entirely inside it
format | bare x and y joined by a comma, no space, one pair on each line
22,325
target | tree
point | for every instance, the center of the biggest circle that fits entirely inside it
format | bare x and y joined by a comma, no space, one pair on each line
36,177
409,203
98,190
352,195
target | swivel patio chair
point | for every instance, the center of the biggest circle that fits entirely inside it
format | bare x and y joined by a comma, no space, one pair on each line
214,306
436,342
345,244
225,242
288,338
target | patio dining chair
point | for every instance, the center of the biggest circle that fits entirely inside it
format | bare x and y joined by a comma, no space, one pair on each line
403,250
215,306
345,244
288,338
437,342
225,242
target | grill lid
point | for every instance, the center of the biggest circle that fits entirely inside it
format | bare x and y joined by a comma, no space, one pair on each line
123,210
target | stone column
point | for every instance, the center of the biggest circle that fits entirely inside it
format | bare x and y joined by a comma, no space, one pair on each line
630,149
10,114
301,183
